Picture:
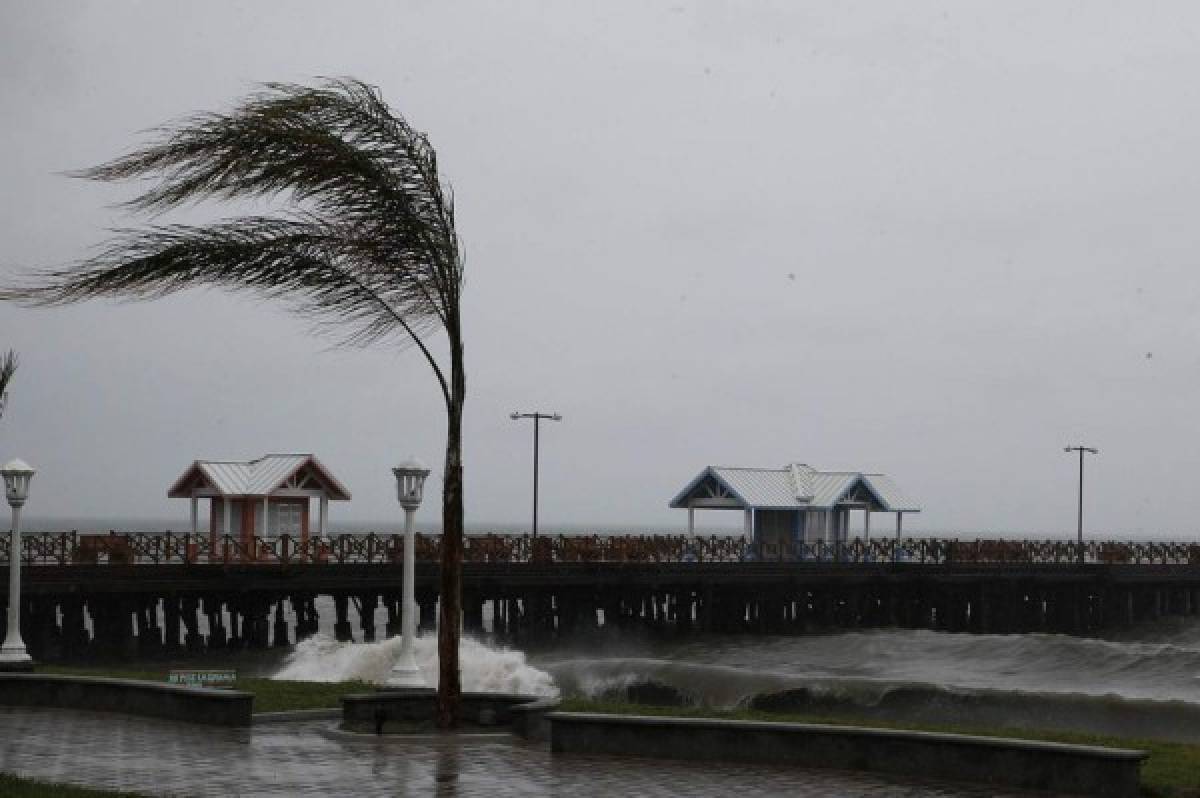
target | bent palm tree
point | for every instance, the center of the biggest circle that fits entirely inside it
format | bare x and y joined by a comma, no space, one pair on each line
369,247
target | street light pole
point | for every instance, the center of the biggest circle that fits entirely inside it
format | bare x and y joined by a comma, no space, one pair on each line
410,486
1079,515
13,655
537,419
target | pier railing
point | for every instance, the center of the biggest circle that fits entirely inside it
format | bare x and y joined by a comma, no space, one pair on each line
74,548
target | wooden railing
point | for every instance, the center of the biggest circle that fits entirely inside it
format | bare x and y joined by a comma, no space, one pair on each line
73,548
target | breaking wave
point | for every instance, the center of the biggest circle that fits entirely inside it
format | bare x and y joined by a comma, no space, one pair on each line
656,681
1137,687
983,708
484,668
1146,685
728,670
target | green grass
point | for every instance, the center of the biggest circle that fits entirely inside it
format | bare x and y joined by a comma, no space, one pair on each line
279,696
1171,771
270,695
16,787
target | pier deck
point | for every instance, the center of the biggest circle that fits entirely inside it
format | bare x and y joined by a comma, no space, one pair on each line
144,594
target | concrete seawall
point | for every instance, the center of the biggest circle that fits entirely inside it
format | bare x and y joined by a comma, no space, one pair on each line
1023,764
129,697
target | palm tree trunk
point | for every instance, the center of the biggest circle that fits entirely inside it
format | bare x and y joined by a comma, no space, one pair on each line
449,694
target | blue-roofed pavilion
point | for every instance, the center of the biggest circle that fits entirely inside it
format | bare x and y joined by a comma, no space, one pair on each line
796,503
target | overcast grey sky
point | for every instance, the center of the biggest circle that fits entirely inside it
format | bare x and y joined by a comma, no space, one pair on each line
940,240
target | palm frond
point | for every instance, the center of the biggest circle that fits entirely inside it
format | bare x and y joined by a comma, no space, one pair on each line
8,367
336,145
370,253
328,273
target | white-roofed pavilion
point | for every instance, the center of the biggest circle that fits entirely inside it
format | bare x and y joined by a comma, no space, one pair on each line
266,497
796,503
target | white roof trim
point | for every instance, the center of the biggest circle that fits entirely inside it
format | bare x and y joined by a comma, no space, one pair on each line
859,479
681,497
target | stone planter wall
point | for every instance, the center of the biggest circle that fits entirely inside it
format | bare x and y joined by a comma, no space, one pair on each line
1023,764
152,699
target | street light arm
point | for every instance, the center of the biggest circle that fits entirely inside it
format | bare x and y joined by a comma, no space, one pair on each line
538,416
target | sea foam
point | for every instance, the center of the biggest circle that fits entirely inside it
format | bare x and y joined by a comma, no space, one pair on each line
484,668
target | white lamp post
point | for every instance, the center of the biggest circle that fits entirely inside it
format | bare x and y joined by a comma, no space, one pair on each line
410,486
17,475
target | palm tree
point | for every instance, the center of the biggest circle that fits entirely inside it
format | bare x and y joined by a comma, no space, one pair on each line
8,366
367,249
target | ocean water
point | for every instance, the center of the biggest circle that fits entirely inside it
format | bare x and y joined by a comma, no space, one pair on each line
1144,682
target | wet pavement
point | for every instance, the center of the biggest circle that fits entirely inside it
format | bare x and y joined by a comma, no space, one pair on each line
314,757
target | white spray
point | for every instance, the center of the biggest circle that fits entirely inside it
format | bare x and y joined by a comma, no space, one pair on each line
484,668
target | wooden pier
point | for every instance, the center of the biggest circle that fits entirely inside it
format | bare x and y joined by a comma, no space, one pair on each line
144,595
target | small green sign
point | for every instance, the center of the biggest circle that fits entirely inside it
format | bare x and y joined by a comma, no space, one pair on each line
197,678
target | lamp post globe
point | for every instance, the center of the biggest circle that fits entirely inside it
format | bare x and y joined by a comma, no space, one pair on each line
410,489
17,475
410,482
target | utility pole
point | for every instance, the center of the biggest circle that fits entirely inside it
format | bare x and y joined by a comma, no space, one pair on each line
1079,516
537,419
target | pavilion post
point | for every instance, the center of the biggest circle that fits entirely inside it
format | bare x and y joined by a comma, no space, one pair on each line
195,517
899,525
323,517
266,530
212,523
867,524
225,516
748,533
691,522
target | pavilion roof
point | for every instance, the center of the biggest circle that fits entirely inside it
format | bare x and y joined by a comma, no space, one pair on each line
256,478
797,486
